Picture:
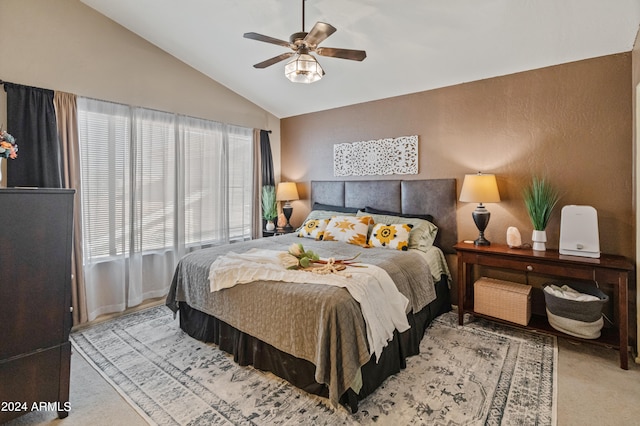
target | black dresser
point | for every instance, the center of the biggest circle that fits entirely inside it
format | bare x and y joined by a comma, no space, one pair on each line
36,227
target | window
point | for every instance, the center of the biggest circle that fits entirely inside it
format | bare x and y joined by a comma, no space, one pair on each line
104,132
153,181
240,184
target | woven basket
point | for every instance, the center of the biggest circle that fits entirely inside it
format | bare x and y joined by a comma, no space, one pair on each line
588,312
503,299
582,329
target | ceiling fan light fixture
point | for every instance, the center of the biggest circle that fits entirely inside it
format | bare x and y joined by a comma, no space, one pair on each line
303,68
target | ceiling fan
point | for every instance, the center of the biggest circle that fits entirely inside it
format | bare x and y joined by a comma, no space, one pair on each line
304,67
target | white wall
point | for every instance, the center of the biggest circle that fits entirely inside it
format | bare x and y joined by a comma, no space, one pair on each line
64,45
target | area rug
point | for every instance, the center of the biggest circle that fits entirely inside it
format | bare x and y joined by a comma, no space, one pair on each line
481,373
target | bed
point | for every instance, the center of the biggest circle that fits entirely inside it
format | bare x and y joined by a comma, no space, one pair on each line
313,335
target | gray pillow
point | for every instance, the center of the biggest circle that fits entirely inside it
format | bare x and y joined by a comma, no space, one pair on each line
341,209
419,216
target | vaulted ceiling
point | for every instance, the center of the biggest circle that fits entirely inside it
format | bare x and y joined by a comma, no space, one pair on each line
411,45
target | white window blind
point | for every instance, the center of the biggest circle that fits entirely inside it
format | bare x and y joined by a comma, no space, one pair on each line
153,180
104,132
205,169
153,171
240,182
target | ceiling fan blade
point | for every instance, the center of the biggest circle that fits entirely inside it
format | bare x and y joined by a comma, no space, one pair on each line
318,33
267,39
354,55
273,60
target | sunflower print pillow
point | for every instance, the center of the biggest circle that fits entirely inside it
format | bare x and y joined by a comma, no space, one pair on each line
395,236
349,229
313,228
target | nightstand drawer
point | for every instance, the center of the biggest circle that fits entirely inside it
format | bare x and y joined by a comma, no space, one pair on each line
574,271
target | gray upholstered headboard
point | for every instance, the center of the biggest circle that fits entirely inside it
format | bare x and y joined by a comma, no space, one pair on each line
436,197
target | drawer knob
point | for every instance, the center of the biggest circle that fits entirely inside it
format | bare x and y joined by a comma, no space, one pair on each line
529,268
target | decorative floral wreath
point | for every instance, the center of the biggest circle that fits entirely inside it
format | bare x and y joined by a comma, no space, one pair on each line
299,258
8,146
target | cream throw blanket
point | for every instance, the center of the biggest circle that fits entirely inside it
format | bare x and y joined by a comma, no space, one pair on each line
566,292
383,306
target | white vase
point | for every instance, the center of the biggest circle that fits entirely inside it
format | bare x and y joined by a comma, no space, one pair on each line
539,238
2,185
270,225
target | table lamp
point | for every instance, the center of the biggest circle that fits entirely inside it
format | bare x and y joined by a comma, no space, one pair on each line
287,192
480,188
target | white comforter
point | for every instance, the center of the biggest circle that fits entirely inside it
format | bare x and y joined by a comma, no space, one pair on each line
383,306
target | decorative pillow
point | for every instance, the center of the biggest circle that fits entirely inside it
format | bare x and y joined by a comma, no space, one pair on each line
313,228
394,236
422,235
340,209
350,229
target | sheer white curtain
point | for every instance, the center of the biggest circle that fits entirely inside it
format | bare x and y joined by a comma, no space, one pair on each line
217,163
241,187
152,248
204,150
105,143
154,186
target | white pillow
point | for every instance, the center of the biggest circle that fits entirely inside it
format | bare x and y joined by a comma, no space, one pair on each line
394,236
313,228
350,229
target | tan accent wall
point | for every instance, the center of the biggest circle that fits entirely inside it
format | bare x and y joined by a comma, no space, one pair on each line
67,46
571,123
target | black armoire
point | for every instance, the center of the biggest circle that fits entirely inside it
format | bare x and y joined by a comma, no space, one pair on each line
36,228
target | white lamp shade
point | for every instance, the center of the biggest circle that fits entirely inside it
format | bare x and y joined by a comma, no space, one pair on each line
287,191
479,188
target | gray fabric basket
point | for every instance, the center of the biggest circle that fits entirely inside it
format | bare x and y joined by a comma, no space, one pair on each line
573,309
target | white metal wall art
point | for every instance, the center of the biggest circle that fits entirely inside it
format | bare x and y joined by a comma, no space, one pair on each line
391,156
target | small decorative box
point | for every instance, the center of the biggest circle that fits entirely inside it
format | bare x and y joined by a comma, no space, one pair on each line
501,299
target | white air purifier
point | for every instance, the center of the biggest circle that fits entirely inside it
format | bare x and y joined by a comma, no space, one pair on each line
579,231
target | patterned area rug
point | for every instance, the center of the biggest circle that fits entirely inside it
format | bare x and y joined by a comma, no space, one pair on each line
481,373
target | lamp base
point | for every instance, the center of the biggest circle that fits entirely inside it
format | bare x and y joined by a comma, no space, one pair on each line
287,210
481,218
481,241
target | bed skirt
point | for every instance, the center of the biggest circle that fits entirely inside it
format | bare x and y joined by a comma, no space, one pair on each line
248,350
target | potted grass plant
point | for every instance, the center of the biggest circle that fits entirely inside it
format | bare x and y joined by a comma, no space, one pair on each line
269,206
540,198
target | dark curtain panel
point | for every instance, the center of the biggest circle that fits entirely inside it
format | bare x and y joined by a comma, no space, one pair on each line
31,119
267,160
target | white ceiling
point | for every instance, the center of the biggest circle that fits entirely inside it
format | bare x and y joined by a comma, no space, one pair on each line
411,45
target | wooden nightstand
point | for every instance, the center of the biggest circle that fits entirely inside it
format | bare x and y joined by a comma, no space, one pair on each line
609,271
